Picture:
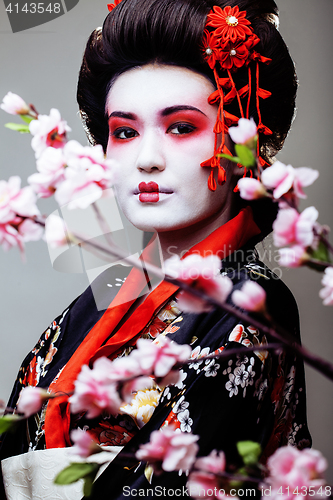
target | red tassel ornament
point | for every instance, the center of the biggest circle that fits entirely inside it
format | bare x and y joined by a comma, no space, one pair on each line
228,44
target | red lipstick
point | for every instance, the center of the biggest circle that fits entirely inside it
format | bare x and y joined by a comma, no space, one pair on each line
149,192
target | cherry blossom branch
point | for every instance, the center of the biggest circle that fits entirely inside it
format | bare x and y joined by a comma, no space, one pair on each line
319,265
231,352
324,239
271,184
33,112
323,366
272,179
234,477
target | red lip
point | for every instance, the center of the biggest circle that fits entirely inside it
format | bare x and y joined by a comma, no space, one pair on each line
150,187
150,191
149,197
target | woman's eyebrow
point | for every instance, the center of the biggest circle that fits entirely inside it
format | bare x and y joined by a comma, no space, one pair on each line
121,114
173,109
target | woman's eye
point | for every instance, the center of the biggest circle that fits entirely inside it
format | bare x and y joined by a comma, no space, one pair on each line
181,129
124,133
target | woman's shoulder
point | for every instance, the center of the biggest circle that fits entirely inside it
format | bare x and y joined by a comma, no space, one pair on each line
281,304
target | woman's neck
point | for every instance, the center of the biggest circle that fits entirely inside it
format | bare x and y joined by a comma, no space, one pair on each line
179,241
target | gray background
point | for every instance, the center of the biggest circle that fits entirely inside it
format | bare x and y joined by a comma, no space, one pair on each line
41,65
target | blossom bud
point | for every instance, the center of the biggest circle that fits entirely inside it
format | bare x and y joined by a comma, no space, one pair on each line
251,189
31,400
252,297
14,104
326,293
294,256
245,133
84,445
56,232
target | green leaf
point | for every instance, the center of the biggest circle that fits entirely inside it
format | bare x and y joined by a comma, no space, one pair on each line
76,471
235,159
249,451
321,253
8,423
18,127
88,485
27,118
245,155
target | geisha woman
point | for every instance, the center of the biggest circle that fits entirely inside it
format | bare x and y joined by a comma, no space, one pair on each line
159,88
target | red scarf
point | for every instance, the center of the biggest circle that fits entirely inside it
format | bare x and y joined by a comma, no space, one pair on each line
223,241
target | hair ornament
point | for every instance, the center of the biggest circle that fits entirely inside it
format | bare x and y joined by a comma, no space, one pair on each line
228,45
111,6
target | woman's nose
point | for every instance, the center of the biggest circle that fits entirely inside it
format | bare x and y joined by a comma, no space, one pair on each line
150,155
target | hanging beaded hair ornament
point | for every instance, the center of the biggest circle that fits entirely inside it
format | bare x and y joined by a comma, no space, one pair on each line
228,44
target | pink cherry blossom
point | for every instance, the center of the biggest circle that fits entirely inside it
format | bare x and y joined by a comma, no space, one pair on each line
14,104
203,481
159,357
18,232
203,273
126,372
56,232
193,267
252,297
124,368
84,445
292,227
290,467
127,389
87,174
169,450
282,178
93,392
24,203
294,256
326,293
15,204
31,400
15,201
203,485
214,462
10,237
245,132
251,189
48,130
51,172
30,230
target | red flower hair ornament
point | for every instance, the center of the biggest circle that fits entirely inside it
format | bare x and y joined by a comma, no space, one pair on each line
229,23
111,6
228,44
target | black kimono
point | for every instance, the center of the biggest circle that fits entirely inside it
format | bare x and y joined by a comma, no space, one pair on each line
258,396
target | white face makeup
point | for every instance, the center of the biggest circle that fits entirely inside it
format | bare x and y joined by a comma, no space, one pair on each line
161,129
